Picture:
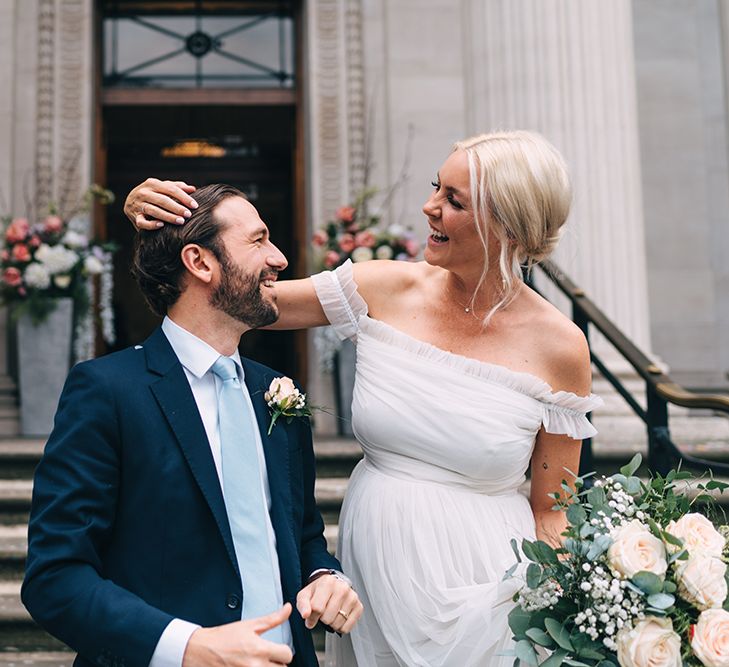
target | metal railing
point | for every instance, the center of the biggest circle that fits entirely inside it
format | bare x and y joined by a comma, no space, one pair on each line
663,454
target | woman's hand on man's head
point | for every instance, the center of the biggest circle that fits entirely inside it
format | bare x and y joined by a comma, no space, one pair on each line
155,202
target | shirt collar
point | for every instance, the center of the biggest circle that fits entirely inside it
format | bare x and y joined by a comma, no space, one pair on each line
194,353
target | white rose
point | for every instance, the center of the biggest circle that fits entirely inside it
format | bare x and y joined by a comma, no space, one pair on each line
710,642
362,254
62,282
701,581
650,643
37,276
636,549
698,535
384,252
75,239
93,265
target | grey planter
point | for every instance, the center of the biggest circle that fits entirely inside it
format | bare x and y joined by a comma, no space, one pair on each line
345,368
44,357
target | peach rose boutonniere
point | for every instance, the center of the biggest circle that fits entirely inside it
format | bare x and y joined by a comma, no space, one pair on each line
285,400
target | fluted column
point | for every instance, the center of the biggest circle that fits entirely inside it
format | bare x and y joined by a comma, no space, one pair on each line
566,68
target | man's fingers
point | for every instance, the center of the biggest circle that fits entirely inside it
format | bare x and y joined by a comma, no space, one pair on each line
277,653
352,619
264,623
303,603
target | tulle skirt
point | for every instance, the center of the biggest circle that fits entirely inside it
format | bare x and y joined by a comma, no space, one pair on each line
428,562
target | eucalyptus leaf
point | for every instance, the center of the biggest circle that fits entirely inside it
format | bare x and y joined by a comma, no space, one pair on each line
528,548
538,636
556,659
660,600
576,515
669,586
533,575
671,539
648,582
558,633
519,622
515,549
631,467
545,552
510,572
525,652
633,486
576,663
599,546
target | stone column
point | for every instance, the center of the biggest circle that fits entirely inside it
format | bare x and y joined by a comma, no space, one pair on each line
566,69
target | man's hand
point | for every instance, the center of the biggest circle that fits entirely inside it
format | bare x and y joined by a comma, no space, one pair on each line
155,202
331,601
238,644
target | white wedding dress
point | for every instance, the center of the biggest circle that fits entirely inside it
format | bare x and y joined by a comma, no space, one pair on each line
426,523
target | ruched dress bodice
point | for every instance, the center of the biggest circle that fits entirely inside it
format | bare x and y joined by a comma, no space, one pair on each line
430,510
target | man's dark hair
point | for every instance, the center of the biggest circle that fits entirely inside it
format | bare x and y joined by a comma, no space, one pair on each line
158,266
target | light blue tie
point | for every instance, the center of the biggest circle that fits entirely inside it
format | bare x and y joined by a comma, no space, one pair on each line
244,499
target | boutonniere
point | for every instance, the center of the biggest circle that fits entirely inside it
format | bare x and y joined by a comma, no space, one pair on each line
285,400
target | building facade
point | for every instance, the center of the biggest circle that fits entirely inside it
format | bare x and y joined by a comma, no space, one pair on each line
303,103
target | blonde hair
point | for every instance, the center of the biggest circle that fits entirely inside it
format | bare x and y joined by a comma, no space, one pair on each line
521,192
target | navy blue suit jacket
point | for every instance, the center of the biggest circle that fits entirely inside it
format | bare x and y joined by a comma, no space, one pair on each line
128,527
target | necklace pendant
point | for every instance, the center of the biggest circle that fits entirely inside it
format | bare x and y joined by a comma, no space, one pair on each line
467,310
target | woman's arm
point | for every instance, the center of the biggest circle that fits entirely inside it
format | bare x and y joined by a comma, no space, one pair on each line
298,306
555,454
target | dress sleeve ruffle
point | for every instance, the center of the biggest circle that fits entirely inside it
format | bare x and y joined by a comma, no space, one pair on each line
565,413
342,303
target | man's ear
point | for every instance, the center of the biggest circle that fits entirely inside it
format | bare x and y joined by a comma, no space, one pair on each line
199,262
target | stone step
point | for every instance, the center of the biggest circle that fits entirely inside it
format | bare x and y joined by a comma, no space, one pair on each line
36,658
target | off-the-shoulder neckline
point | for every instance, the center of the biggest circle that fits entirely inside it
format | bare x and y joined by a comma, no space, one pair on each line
521,381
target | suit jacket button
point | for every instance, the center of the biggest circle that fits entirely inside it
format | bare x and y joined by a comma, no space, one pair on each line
233,602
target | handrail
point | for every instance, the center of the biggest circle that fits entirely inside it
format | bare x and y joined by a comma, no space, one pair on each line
663,454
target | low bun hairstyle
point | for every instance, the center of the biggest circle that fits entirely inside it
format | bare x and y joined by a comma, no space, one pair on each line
521,193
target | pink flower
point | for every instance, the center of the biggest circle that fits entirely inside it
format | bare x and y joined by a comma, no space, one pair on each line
22,291
412,247
4,255
366,239
34,241
17,231
21,253
352,227
52,224
346,213
346,242
12,277
331,259
320,238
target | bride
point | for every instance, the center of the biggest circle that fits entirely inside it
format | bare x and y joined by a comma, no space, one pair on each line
465,377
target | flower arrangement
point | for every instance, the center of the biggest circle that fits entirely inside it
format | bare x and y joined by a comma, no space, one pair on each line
639,581
52,259
355,234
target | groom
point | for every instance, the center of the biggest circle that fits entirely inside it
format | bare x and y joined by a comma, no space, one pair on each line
167,528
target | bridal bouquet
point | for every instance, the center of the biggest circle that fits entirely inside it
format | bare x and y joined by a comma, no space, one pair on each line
355,234
640,581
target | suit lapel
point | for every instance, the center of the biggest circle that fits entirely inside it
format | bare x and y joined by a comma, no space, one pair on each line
276,452
177,403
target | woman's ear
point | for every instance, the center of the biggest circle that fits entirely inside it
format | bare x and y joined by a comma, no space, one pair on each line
199,262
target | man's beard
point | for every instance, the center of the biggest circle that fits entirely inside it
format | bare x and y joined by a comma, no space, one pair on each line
239,295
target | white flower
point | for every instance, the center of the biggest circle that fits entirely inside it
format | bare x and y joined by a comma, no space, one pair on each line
384,252
93,265
362,254
37,276
710,642
62,281
698,535
701,581
57,259
636,549
75,239
651,643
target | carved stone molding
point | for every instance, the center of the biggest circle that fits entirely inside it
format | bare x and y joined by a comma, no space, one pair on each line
356,102
45,100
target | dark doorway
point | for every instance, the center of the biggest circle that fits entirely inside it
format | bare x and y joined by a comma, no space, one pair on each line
250,147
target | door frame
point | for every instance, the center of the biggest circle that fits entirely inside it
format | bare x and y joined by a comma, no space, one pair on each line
223,97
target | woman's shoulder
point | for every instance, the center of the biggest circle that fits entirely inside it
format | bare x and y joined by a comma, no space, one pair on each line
387,277
561,345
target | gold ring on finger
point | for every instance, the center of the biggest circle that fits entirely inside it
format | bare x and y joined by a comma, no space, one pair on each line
343,613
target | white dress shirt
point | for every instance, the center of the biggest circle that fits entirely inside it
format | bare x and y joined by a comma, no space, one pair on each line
197,358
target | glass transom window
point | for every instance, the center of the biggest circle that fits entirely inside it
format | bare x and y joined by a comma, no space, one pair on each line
198,44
